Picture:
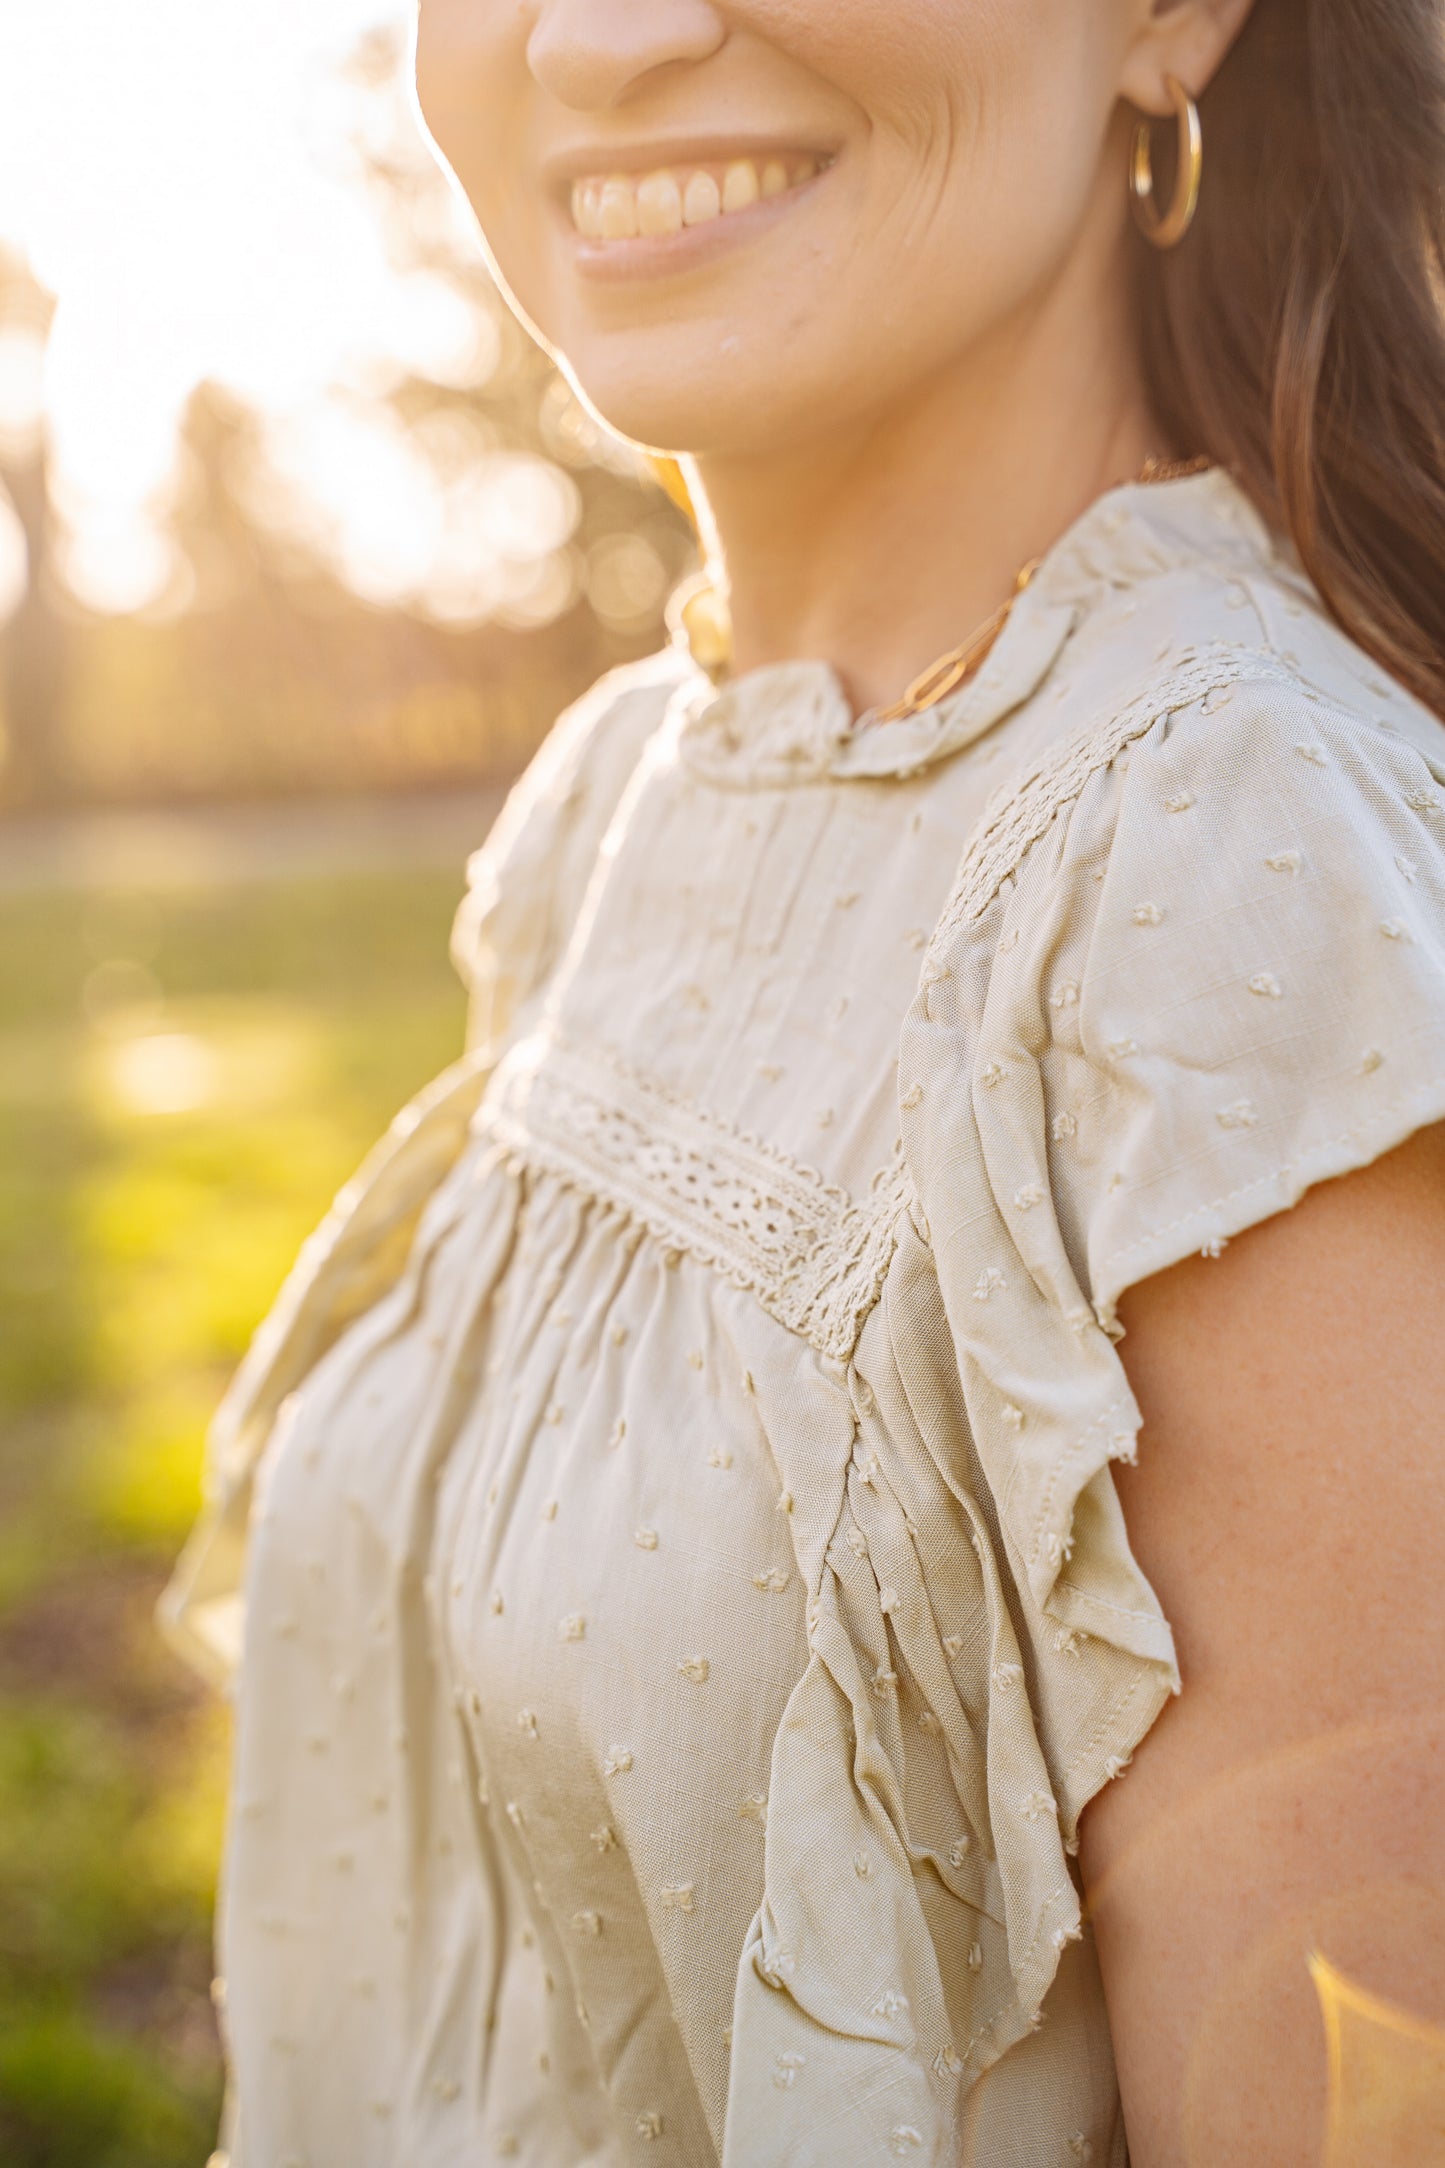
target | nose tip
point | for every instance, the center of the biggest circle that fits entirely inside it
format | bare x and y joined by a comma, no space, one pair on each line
592,54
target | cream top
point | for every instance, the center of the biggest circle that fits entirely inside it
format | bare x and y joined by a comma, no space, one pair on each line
688,1601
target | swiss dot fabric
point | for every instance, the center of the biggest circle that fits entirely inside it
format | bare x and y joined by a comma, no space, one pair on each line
664,1534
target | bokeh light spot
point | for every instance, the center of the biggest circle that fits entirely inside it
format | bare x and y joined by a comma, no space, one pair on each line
163,1072
22,389
14,559
627,581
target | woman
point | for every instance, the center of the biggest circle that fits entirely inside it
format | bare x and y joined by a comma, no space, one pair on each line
692,1628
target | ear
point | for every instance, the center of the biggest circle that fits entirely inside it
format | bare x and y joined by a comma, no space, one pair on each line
1184,38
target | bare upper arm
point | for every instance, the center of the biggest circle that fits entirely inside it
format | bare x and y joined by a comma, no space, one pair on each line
1289,1508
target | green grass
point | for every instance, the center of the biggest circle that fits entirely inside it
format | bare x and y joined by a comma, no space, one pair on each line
185,1080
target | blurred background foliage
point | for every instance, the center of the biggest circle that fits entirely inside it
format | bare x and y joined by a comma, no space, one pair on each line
302,547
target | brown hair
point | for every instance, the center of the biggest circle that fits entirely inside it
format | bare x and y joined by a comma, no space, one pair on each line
1298,333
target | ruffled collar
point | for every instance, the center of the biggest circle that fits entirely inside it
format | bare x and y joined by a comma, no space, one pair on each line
791,722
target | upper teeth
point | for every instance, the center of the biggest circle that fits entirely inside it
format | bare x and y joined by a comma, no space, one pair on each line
622,206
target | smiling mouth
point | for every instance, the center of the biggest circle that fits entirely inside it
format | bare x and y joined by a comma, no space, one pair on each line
669,200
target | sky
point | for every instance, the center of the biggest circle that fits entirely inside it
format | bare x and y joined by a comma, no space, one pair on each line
184,179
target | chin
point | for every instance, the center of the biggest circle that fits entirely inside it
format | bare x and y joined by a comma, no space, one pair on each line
725,389
703,410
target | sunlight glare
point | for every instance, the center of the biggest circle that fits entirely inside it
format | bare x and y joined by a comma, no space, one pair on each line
186,181
1387,2076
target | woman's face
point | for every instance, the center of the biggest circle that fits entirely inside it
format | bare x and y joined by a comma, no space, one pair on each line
744,223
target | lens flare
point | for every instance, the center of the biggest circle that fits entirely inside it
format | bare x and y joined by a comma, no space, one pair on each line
1387,2077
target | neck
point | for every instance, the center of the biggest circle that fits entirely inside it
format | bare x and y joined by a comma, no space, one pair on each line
886,543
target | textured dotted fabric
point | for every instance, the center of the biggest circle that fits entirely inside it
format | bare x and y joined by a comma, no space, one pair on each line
664,1534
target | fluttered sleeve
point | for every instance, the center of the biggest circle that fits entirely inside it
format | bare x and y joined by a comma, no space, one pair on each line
524,889
1194,965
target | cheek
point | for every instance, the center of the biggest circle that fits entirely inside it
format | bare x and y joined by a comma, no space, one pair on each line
470,85
980,125
921,85
987,170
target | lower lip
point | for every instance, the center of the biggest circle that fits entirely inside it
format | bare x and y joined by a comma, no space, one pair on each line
667,255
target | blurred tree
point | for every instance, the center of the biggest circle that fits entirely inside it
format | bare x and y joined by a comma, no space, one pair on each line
33,654
398,584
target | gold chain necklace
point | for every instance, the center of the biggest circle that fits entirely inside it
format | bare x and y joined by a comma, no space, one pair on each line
702,615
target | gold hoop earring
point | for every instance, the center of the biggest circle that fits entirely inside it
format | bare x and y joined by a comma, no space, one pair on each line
1167,229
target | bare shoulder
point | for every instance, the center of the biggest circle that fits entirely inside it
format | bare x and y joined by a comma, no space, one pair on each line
1288,1507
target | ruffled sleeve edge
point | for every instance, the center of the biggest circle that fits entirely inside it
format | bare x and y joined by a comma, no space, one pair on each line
1103,1593
1220,1219
1112,1614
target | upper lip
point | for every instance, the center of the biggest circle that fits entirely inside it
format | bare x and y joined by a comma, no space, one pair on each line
590,161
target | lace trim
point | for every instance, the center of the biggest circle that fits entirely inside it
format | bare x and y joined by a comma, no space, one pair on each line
1017,818
814,1257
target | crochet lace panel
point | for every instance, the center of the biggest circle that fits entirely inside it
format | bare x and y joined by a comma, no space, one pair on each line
813,1256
